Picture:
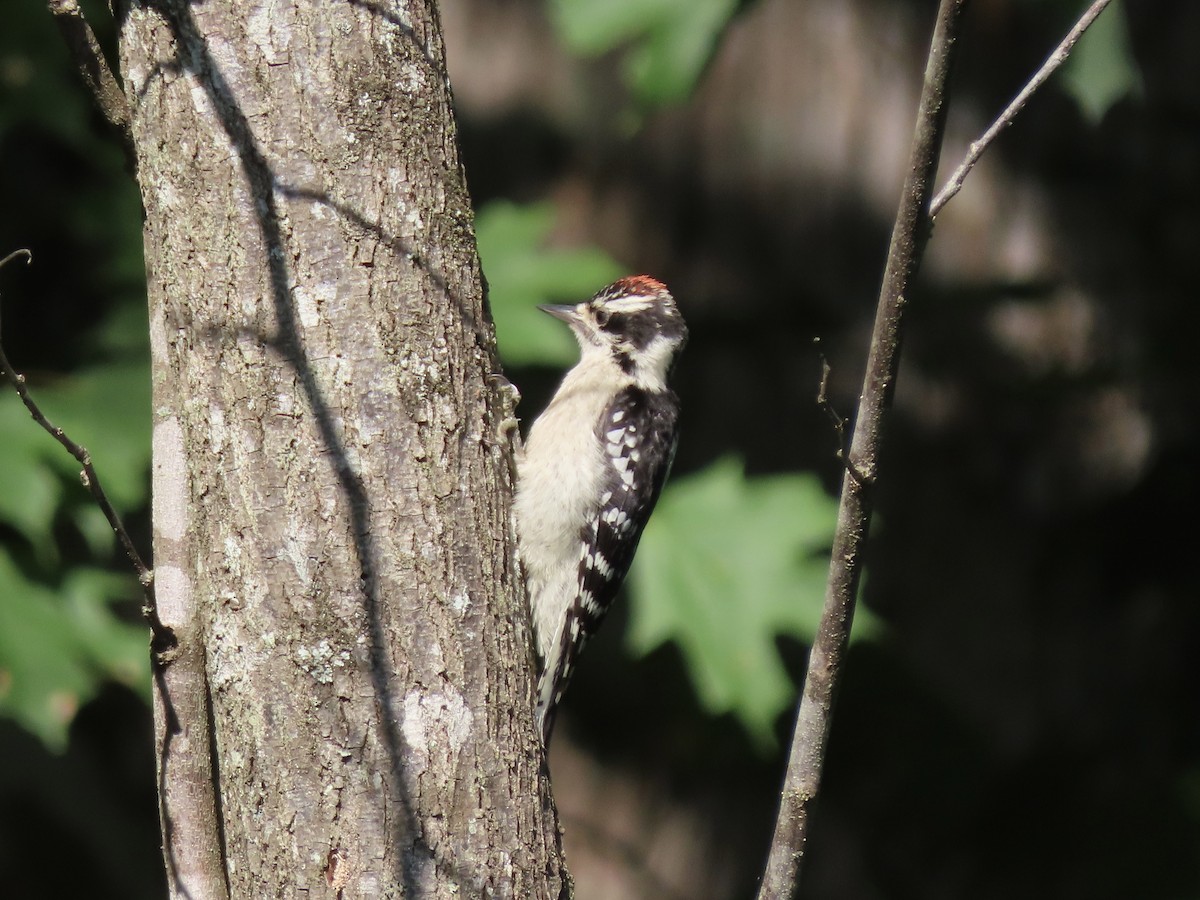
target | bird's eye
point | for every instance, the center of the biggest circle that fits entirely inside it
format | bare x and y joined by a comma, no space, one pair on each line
602,316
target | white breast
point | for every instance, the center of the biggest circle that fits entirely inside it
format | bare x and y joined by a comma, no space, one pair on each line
559,483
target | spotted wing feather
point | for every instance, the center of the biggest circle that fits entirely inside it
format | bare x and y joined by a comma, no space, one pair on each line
638,432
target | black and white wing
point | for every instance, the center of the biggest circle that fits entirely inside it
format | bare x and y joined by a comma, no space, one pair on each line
638,432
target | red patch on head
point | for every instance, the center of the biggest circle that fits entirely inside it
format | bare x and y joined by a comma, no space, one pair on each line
640,284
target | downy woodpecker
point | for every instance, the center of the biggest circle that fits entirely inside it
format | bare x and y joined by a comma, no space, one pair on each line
593,466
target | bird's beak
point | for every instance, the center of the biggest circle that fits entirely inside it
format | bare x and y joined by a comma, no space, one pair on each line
563,311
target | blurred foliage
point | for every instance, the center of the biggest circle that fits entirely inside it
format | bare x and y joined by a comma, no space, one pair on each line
667,43
1101,69
726,564
59,644
60,636
67,625
523,272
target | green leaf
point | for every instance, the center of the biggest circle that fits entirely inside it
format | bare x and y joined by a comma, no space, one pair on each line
665,67
29,490
107,410
670,41
56,649
592,27
118,649
1101,69
522,273
89,520
726,564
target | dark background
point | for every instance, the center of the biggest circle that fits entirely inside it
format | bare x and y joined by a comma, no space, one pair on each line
1028,725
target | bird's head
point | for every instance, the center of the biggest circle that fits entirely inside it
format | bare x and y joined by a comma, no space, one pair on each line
634,322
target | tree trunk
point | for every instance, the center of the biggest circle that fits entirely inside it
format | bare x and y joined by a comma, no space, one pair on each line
348,713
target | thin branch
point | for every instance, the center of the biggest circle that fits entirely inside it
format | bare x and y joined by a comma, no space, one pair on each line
909,235
839,422
1053,61
93,67
164,638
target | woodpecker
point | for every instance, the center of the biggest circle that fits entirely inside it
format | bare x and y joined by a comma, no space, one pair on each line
593,466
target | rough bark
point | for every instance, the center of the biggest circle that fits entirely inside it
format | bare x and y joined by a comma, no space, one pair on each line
332,531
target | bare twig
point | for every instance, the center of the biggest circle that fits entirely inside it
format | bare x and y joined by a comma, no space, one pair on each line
854,514
93,67
164,638
1053,61
839,421
17,254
